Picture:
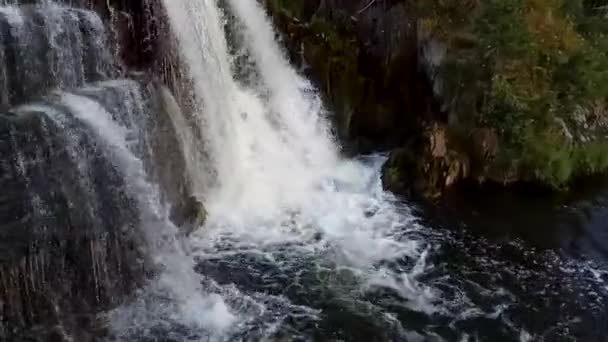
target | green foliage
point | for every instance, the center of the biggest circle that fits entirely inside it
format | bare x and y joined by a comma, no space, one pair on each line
292,7
301,10
534,63
502,29
521,67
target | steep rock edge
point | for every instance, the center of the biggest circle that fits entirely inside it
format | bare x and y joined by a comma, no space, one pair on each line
73,247
365,64
54,281
445,85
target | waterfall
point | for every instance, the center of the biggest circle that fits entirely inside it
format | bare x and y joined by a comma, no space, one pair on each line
271,143
279,176
49,46
269,152
65,223
176,281
94,167
95,164
98,167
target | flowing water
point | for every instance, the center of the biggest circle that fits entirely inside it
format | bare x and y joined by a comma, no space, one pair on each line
303,244
300,243
38,43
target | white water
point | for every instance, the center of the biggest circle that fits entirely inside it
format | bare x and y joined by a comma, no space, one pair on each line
280,178
283,198
177,282
273,151
282,194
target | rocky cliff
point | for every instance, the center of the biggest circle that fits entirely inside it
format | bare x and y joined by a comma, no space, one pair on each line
365,61
501,91
71,240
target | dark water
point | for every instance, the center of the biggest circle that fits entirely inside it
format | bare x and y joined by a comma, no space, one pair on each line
491,266
549,251
517,266
574,223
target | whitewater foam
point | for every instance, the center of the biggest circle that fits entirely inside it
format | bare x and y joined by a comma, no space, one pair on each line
281,183
176,282
283,198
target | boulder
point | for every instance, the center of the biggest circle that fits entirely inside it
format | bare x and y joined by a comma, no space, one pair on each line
190,215
428,167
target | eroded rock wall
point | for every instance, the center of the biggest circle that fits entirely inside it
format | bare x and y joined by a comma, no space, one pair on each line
71,244
363,55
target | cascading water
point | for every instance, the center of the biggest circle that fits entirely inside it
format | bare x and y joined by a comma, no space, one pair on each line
176,280
277,161
37,43
64,223
281,186
93,171
300,243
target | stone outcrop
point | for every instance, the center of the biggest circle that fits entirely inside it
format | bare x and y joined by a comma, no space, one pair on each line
370,62
190,216
363,56
71,244
437,165
390,69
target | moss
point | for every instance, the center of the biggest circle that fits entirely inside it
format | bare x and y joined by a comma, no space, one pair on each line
293,8
524,69
525,65
392,175
399,171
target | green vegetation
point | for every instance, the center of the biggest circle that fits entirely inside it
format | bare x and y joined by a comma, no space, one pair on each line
536,71
532,72
293,8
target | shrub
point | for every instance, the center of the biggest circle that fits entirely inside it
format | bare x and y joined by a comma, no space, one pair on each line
535,63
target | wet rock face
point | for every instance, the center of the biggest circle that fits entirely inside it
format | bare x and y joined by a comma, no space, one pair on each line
71,240
36,41
436,165
136,33
68,243
139,38
363,55
69,236
137,27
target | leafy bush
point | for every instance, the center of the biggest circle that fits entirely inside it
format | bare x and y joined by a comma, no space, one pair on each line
534,64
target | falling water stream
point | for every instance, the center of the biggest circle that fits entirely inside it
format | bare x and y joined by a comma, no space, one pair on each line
300,242
303,244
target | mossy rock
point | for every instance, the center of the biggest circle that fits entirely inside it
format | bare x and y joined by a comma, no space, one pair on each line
400,171
300,9
429,167
191,215
196,214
